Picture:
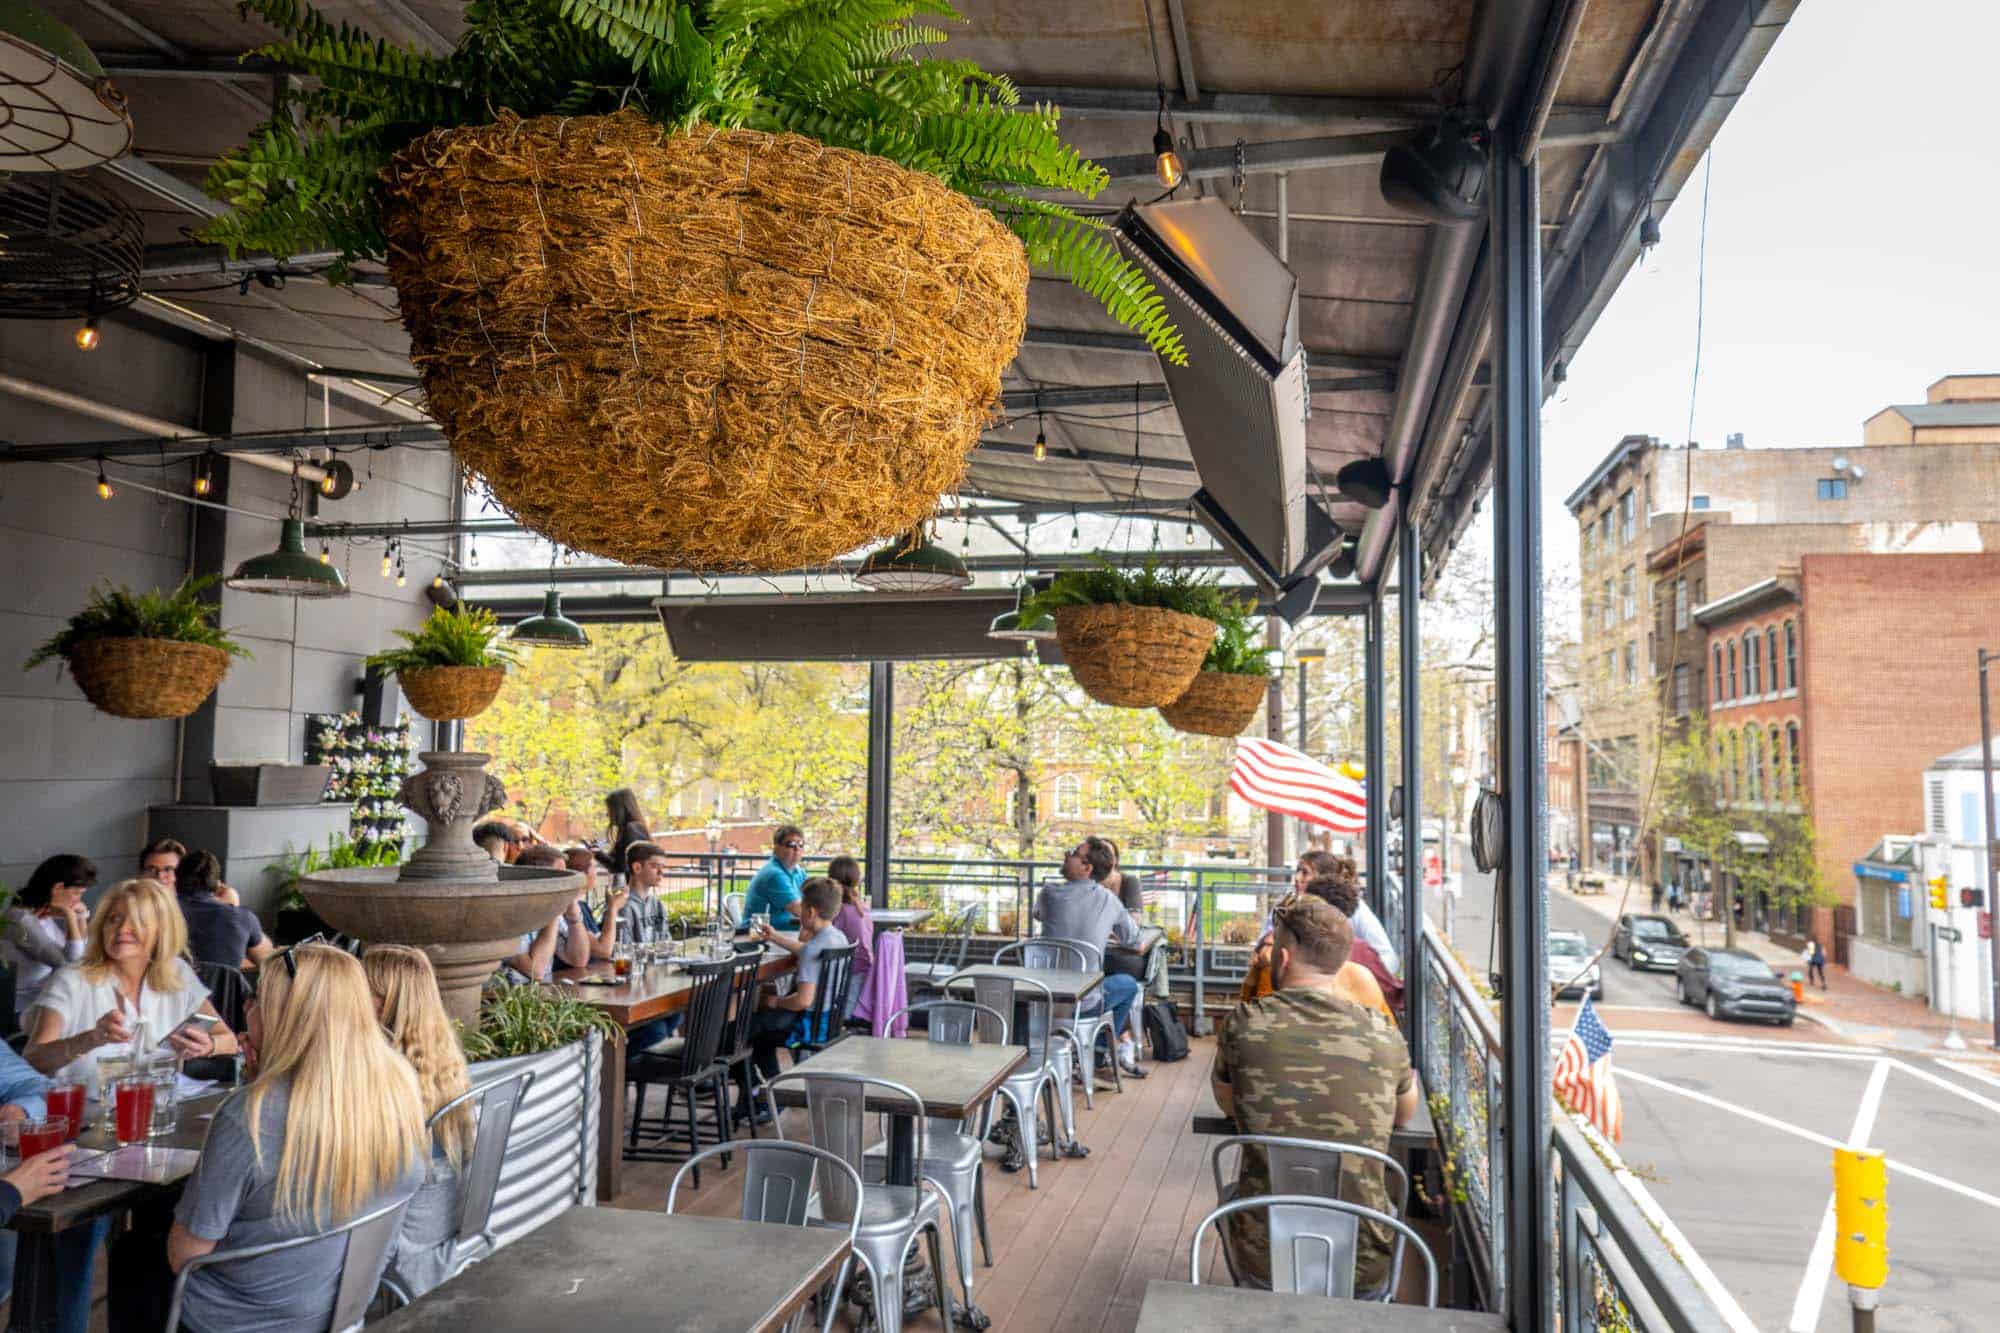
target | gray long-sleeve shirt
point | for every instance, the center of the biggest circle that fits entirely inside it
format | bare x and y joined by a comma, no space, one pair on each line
1082,909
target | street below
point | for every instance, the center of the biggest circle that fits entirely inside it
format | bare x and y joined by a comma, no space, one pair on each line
1730,1127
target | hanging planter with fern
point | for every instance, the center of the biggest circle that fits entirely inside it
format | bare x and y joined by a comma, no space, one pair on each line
723,286
1132,638
452,666
144,655
1224,696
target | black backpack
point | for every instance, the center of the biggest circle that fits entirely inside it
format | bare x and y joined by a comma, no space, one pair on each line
1164,1032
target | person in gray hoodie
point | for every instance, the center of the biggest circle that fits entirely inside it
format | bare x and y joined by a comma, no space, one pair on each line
1080,908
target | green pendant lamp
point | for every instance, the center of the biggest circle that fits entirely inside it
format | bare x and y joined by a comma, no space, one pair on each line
913,565
551,629
1015,627
288,571
57,110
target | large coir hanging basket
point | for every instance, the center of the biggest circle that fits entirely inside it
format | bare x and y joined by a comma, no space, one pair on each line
1132,656
451,693
147,678
1217,703
723,350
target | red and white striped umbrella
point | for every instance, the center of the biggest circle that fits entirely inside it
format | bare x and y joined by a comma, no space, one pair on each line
1280,779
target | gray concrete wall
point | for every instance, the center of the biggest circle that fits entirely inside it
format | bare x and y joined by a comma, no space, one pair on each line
74,780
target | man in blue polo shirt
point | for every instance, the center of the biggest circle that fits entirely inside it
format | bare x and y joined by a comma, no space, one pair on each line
775,887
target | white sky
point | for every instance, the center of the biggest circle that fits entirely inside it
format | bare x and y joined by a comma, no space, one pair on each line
1853,249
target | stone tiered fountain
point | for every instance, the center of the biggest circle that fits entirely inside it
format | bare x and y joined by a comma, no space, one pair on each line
450,899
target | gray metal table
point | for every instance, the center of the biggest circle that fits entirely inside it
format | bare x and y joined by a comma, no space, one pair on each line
1181,1307
1063,983
602,1268
899,918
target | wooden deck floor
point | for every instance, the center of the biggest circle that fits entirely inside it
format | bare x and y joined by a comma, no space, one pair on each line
1074,1255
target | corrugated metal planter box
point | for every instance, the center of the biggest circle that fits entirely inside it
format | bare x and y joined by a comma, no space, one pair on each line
551,1161
268,784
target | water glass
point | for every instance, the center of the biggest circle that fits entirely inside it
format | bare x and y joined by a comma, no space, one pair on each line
10,1141
110,1070
166,1079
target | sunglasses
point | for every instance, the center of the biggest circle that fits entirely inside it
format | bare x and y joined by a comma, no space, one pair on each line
794,846
286,953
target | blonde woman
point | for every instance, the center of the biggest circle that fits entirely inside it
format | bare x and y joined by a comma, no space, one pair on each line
406,998
333,1127
132,987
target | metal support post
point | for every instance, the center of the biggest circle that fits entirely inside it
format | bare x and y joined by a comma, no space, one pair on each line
1377,761
1514,244
1992,835
1304,832
1274,729
1409,554
881,741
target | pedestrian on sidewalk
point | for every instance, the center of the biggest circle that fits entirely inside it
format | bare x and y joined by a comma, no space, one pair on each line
1816,962
1658,893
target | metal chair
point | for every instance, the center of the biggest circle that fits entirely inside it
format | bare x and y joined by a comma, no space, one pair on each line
1313,1244
736,1051
230,992
951,955
1085,1024
829,1003
1046,1066
956,1162
1306,1166
688,1064
367,1239
886,1219
778,1190
732,908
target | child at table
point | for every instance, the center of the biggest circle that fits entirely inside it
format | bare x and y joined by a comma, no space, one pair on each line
778,1015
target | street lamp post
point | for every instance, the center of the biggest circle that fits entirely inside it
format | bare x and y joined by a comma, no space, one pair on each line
1305,657
1986,659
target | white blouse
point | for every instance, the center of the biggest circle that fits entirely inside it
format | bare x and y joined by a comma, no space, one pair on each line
80,1002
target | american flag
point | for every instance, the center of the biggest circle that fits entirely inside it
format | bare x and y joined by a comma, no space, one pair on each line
1278,778
1583,1076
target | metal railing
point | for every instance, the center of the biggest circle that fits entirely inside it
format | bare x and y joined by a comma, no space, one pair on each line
1614,1272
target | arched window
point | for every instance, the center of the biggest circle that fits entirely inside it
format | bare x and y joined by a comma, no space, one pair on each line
1791,657
1753,673
1781,772
1718,673
1796,759
1732,671
1069,797
1753,770
1771,655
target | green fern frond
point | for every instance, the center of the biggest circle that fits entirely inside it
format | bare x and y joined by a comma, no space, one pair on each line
1076,247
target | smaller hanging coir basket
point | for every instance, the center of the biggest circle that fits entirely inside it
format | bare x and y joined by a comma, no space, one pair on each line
1133,656
1217,703
451,693
146,678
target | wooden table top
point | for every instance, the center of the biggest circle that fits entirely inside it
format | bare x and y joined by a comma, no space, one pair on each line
955,1082
1063,983
1209,1119
592,1268
659,991
81,1203
1181,1307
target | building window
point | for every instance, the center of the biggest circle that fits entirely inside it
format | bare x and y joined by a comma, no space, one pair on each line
1698,502
1732,671
1683,696
1652,652
1631,663
1628,592
1833,488
1680,604
1753,765
1697,598
1069,797
1604,527
1610,606
1753,665
1107,804
1781,773
1937,806
1771,655
1718,673
1791,657
1625,517
1793,756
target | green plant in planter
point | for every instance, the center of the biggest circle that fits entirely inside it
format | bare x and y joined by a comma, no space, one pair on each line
1171,587
849,73
114,611
1236,651
527,1020
338,854
460,636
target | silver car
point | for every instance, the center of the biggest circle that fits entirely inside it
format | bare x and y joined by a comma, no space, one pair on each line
1572,967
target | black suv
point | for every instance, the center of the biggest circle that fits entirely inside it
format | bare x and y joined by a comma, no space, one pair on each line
1648,942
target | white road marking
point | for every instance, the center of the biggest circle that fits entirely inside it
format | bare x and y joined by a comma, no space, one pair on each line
1970,1072
1731,1039
1901,1169
1819,1267
1698,1269
1750,1048
1945,1083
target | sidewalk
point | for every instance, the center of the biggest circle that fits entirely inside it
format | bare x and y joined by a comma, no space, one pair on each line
1850,1009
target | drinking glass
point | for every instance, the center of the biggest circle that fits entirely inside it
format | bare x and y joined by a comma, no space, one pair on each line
110,1069
39,1136
621,961
166,1077
65,1099
10,1141
132,1103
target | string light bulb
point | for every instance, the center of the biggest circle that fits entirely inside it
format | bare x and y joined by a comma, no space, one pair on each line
1041,432
1649,244
385,559
1167,163
103,482
88,335
1075,533
437,580
472,551
202,484
402,579
325,552
1190,532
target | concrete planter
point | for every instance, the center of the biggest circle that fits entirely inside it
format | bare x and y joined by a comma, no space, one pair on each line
551,1159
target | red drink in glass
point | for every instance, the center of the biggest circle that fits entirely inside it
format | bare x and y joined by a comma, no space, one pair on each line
66,1100
135,1110
38,1137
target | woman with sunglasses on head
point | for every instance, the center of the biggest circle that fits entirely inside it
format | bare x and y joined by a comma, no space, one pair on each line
406,998
132,977
332,1128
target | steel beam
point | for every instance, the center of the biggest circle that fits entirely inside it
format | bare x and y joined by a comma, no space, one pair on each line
248,442
1517,584
1409,660
1319,358
881,759
1123,395
1263,159
1376,759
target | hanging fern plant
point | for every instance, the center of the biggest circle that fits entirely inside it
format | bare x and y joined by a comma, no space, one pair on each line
849,73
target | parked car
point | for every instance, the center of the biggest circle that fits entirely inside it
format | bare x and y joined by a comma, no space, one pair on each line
1730,983
1572,970
1648,942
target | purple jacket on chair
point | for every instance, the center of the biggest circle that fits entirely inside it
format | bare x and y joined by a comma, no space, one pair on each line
884,991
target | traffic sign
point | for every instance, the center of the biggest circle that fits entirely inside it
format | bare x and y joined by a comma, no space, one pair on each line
1950,934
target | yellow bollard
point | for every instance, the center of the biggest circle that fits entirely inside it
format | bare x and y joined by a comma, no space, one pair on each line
1861,1228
